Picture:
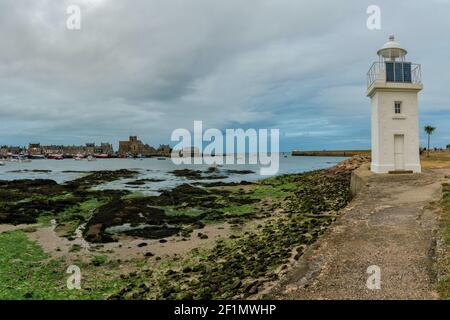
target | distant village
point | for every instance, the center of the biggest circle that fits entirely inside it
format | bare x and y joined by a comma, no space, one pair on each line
132,148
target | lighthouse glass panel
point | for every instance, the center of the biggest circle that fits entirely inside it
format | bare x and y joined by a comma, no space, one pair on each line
390,71
398,71
407,72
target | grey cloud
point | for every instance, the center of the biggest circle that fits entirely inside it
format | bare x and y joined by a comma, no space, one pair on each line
147,67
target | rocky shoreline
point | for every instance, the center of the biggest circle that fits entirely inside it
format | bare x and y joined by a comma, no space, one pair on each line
272,221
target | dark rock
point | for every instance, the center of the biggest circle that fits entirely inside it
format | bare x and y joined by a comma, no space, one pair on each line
187,173
141,182
170,272
28,295
236,284
239,171
202,235
187,270
99,177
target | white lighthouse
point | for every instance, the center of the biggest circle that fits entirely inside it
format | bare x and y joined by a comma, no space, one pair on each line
392,85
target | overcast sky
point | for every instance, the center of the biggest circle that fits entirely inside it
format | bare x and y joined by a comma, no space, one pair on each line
147,67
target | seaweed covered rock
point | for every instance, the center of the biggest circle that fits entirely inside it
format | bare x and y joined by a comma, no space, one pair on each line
133,212
99,177
321,193
198,175
23,201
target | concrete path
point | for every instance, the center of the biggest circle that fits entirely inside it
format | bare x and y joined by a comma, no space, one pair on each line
392,224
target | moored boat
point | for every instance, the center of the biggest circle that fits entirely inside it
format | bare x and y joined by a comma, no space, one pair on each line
55,157
36,157
101,156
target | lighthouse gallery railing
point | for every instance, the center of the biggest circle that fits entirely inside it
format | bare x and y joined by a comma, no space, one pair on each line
405,72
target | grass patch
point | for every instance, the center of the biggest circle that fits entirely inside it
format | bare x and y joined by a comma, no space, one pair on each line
239,210
75,248
99,260
45,220
186,212
84,209
444,285
436,160
273,191
59,197
134,195
26,272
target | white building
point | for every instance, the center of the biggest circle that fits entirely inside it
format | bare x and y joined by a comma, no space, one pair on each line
393,85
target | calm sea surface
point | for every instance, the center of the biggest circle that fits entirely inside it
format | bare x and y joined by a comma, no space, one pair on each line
152,168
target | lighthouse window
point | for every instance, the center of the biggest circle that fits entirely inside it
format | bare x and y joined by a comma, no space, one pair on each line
398,107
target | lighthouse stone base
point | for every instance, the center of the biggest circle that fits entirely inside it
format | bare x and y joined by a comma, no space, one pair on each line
386,168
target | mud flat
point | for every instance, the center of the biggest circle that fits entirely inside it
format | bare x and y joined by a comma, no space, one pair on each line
192,242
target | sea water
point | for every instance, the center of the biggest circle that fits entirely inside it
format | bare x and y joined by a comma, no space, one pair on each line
151,168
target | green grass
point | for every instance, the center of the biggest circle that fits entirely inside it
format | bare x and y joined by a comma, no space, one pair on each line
83,209
444,285
26,272
99,260
239,210
273,191
188,212
446,204
134,195
45,220
59,197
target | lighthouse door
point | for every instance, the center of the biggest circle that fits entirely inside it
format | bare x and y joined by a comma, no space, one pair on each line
399,144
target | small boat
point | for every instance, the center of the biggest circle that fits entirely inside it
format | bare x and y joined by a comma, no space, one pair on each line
55,157
19,159
101,156
91,158
36,157
2,163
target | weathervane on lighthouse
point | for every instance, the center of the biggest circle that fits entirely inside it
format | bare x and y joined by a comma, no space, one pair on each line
393,85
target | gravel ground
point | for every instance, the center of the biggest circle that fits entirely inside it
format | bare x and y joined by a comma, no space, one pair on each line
393,224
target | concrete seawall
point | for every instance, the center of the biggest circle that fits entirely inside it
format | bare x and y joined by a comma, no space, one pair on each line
359,179
331,153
